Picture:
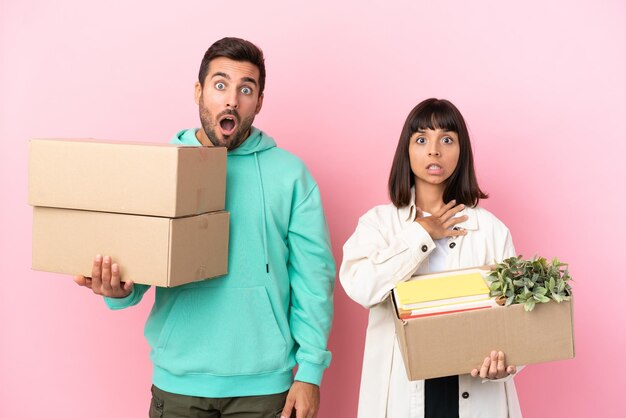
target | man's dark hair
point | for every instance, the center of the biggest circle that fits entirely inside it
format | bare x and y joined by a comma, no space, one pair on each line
462,184
235,49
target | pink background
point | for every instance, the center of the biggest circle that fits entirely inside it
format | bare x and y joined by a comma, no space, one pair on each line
540,83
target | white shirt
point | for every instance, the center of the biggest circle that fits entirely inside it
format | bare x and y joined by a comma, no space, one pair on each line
386,248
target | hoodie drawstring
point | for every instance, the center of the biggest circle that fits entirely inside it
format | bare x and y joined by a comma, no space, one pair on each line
258,171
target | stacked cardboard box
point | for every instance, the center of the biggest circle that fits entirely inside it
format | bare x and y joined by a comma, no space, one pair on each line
456,343
156,209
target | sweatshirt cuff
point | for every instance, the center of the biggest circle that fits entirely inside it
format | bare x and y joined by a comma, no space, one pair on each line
120,303
310,373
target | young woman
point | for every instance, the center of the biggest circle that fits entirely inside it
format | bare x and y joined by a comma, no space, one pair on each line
432,224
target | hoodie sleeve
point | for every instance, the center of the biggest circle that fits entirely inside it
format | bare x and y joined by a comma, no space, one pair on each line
131,300
311,270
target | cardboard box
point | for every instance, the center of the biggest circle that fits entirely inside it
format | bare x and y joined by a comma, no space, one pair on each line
126,177
149,250
456,343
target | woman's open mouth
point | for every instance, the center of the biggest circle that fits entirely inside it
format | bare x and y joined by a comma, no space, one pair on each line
434,169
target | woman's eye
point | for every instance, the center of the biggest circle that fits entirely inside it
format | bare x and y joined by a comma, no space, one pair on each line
246,90
220,86
447,140
420,140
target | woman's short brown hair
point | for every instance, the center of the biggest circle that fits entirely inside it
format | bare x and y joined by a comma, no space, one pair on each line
462,184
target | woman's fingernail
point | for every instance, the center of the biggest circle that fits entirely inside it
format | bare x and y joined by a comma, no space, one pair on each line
98,258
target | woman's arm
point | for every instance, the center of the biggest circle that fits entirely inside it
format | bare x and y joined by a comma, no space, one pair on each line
375,260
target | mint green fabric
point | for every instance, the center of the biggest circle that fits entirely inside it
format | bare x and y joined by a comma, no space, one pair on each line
242,334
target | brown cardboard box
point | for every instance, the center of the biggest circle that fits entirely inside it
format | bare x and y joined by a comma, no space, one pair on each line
150,250
126,177
456,343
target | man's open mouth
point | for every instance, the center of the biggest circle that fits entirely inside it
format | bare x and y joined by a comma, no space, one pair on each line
228,124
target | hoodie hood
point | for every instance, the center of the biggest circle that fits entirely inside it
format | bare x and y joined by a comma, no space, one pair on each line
257,141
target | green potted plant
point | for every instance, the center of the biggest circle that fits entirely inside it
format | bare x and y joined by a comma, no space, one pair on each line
516,280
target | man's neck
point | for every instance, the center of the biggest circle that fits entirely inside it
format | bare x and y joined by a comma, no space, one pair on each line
203,138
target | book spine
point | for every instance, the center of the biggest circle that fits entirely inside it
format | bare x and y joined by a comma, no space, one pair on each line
410,314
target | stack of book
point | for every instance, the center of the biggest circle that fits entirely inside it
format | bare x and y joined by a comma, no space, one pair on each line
441,293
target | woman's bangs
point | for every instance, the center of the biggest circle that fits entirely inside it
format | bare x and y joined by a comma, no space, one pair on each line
435,117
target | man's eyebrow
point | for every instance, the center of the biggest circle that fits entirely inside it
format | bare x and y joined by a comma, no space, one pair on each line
221,74
249,80
227,77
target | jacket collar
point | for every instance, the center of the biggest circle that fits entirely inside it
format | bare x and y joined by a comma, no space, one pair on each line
407,214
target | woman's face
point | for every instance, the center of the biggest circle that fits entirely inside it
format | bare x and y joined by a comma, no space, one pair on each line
433,154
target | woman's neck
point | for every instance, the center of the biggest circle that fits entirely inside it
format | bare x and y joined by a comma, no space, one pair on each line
429,197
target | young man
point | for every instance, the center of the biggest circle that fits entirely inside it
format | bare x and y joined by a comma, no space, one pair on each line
228,346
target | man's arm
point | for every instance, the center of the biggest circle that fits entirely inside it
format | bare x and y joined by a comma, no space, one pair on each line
311,270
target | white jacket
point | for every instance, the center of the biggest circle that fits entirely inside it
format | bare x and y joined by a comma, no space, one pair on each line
388,247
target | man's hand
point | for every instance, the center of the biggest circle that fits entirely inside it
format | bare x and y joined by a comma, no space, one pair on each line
494,367
105,279
304,398
438,224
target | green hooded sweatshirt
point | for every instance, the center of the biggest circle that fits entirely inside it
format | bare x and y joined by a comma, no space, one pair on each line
242,334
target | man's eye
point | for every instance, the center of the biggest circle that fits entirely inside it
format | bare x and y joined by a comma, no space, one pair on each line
246,90
220,86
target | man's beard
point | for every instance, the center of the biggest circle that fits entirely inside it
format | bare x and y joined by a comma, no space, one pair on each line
232,141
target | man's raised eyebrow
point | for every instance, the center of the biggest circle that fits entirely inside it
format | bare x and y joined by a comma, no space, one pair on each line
249,80
221,74
227,77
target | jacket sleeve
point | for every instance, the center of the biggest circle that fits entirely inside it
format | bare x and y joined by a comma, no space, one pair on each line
508,249
311,270
375,261
131,300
